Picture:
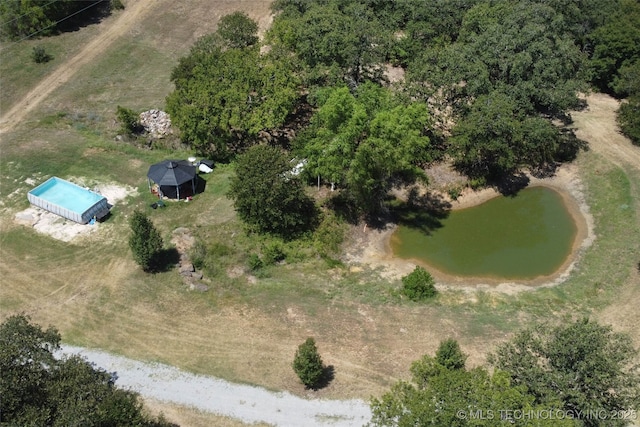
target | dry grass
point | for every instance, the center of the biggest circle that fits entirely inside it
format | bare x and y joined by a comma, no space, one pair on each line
96,296
190,417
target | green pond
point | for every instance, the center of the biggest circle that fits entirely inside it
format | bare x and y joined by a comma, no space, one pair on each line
519,237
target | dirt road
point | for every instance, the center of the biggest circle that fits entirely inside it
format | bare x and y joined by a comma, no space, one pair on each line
597,125
110,32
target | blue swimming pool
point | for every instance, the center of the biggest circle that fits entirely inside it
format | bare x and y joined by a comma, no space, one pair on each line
69,200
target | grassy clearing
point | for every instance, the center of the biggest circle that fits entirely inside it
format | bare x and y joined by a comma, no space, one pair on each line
19,73
247,327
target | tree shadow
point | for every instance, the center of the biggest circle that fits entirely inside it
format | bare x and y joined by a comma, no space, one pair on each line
344,206
165,260
511,184
547,170
570,146
328,374
423,212
88,13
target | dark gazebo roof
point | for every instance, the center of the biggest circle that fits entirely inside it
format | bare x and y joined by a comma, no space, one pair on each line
172,172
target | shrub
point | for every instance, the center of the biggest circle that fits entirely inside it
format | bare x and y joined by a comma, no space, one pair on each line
454,193
117,5
307,363
129,121
273,252
198,254
449,355
329,235
418,285
40,55
218,249
254,262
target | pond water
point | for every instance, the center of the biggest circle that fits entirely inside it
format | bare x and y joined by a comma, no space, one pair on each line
517,238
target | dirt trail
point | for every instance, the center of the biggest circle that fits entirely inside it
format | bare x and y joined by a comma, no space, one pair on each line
133,13
597,125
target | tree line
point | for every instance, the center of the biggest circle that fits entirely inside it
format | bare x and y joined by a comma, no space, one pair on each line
20,19
507,74
577,374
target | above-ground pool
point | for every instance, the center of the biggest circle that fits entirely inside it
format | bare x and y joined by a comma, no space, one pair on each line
69,200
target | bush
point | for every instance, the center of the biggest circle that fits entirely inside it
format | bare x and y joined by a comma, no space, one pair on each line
307,363
198,255
117,5
449,355
329,235
129,121
40,55
418,285
273,252
254,262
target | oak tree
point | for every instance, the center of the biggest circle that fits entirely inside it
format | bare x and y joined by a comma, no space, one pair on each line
268,196
588,366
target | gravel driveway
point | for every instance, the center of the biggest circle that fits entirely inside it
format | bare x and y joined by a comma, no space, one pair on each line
246,403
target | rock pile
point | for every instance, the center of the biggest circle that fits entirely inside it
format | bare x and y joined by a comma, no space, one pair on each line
157,123
184,241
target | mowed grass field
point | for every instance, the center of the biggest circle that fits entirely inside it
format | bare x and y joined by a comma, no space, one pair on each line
245,329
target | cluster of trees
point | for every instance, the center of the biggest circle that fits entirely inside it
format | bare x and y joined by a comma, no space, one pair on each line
23,18
579,374
507,72
39,389
227,92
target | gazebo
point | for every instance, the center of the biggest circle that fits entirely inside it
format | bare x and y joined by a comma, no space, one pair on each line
173,175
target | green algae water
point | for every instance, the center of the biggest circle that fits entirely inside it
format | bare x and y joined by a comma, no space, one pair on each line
515,238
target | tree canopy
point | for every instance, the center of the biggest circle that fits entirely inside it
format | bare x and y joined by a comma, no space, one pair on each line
342,39
238,30
616,44
226,96
364,140
493,81
268,196
40,389
453,396
586,365
24,18
512,69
